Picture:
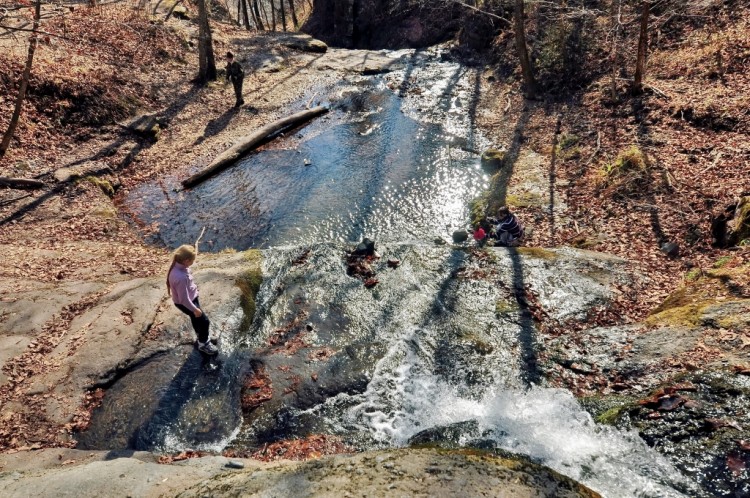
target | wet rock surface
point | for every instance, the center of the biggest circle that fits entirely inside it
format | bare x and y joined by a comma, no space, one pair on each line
416,472
700,421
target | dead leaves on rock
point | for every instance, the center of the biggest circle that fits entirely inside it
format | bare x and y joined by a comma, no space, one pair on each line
313,446
257,389
183,455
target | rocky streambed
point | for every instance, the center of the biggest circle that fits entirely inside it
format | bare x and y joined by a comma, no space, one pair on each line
445,346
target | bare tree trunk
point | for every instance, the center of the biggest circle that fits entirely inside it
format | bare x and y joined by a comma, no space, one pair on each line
640,64
283,14
206,61
245,13
616,7
256,15
273,16
523,53
24,81
294,14
265,16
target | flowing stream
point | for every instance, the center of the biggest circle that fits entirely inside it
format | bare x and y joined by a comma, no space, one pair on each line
441,348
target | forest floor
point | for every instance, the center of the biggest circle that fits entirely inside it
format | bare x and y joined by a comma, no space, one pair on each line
691,126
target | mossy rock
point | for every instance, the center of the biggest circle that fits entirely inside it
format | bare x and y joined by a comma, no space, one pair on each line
103,184
493,159
687,305
740,234
525,200
146,126
305,44
503,307
249,283
181,12
537,252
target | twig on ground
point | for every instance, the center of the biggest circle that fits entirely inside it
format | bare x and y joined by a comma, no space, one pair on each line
714,163
656,91
15,199
598,147
199,239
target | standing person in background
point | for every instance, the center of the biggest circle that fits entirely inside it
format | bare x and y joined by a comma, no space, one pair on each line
184,294
236,75
509,230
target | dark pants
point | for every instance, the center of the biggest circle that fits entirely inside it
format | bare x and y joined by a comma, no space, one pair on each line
237,83
200,324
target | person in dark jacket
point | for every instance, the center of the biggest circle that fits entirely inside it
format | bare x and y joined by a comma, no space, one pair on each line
508,231
236,75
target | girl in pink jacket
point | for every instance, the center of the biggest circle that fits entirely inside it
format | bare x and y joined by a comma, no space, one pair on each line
184,294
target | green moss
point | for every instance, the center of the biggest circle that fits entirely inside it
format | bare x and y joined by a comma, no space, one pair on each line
103,184
249,283
688,315
693,274
503,307
567,141
525,199
611,416
567,147
537,252
722,261
629,160
477,207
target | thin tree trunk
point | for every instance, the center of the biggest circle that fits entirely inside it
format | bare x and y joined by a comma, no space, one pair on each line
273,16
265,15
283,14
244,11
206,61
24,82
640,64
256,14
523,53
239,15
293,12
616,7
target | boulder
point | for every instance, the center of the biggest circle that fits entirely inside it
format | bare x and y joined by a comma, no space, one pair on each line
365,248
670,249
493,159
145,125
181,12
460,236
740,225
305,43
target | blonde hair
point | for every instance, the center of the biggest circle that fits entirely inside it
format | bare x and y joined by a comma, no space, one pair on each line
181,255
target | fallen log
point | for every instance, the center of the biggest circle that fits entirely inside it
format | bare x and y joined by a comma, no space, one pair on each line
231,155
20,183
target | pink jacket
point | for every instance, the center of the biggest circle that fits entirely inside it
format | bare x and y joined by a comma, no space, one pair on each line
182,287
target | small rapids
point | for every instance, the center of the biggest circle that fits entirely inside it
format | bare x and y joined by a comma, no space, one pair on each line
451,365
442,348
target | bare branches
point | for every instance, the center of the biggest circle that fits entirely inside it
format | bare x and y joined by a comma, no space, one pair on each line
490,14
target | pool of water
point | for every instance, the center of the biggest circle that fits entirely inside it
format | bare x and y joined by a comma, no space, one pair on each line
388,162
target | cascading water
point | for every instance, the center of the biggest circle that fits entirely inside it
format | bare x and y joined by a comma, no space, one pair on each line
442,342
450,360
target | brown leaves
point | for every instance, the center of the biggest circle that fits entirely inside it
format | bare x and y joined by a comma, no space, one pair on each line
256,389
313,446
667,399
184,455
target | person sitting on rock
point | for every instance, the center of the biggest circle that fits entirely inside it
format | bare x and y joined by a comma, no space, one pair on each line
508,231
